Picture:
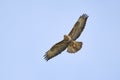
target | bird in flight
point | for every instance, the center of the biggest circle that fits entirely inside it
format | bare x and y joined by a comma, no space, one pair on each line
69,41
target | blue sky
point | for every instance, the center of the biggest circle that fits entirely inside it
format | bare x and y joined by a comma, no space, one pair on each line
28,28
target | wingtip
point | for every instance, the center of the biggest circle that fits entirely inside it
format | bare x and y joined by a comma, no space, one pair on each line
46,57
85,15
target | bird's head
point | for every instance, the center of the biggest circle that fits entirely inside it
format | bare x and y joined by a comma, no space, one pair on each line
67,38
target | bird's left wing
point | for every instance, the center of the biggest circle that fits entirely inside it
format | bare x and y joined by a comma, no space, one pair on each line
58,48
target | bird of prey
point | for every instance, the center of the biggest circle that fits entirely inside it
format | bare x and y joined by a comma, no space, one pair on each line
69,41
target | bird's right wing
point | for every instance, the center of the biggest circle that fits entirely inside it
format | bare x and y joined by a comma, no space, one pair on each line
78,27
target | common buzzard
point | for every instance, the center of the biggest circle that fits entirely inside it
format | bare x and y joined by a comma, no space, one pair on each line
69,41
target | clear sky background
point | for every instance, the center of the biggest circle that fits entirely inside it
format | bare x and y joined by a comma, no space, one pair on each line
28,28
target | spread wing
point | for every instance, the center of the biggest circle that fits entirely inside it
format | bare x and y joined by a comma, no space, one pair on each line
78,27
58,48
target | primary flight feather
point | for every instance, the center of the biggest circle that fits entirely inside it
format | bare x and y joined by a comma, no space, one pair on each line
69,41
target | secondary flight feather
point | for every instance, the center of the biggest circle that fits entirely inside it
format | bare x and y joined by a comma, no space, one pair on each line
69,41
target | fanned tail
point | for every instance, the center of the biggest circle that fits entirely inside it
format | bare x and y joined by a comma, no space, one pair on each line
74,46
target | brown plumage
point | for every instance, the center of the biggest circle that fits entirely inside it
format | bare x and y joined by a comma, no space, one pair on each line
69,40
